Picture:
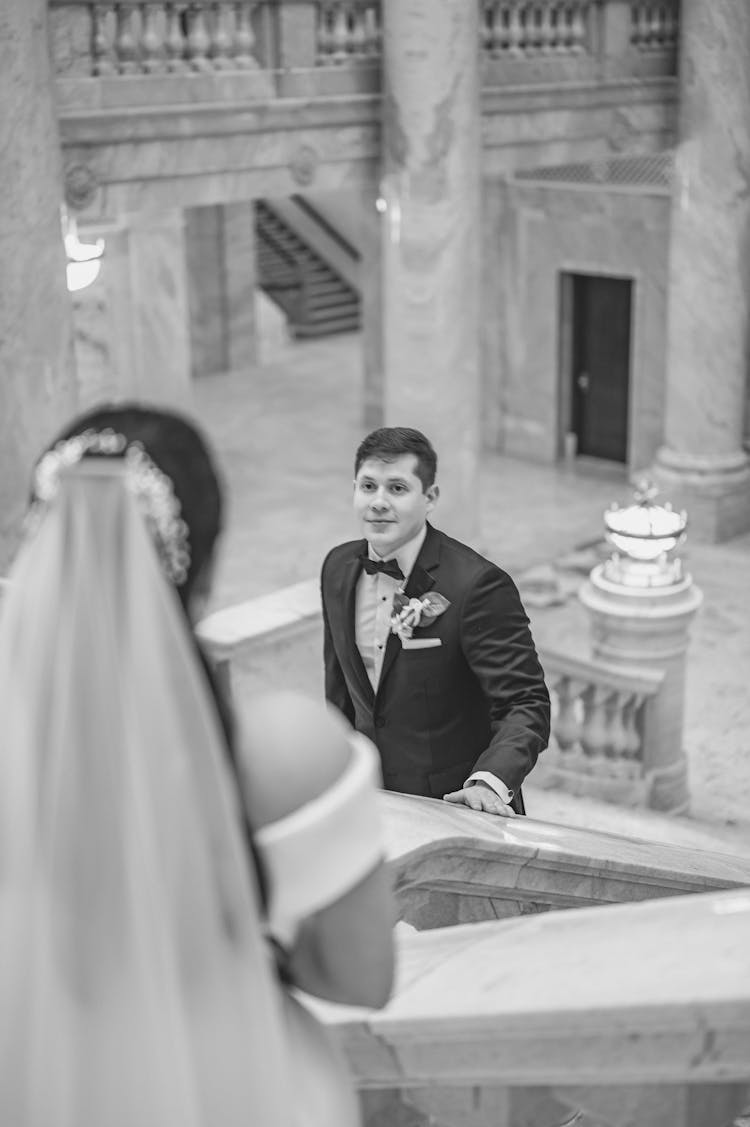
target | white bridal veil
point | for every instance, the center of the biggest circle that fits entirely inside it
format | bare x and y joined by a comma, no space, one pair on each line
135,988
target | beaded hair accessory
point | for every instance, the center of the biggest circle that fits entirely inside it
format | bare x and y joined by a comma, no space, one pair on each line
152,489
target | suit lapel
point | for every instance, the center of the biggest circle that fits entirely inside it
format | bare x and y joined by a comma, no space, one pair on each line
349,596
420,581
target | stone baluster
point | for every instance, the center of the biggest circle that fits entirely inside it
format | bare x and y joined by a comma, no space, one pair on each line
594,734
340,33
372,30
198,40
174,38
531,27
566,726
358,37
221,38
501,35
515,30
102,52
325,35
126,44
630,714
564,29
616,734
244,37
578,27
486,27
152,45
670,26
547,28
639,25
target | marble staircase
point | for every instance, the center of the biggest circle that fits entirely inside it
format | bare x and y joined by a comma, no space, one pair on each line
315,298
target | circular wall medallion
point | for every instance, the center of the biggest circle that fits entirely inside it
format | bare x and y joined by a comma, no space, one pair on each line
81,185
304,165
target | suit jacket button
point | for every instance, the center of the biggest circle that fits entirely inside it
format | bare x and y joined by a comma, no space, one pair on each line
379,722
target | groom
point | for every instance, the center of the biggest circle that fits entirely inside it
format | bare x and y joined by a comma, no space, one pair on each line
427,645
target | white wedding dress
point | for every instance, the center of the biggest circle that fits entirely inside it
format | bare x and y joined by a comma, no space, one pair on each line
312,857
136,984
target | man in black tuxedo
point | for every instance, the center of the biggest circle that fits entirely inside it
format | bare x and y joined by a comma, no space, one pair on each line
456,703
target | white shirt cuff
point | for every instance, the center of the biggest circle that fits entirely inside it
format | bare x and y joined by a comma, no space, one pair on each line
494,783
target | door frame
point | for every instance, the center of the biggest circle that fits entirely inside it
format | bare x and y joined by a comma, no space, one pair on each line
565,314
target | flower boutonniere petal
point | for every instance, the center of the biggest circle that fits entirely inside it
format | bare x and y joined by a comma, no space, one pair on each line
408,614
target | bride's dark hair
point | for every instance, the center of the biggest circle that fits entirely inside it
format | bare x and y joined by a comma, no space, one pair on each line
179,450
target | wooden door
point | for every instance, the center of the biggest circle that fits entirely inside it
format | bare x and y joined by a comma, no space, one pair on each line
601,365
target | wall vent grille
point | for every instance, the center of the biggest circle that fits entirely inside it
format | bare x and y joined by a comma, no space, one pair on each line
652,171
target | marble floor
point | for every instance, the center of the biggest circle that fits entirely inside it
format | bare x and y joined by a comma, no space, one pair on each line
286,435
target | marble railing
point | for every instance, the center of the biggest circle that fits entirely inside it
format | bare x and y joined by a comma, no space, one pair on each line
602,730
103,38
603,738
633,1014
451,865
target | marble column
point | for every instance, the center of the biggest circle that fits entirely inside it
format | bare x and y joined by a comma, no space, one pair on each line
431,191
37,385
148,320
220,249
702,466
371,297
238,234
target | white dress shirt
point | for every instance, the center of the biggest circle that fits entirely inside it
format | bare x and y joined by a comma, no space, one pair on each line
372,625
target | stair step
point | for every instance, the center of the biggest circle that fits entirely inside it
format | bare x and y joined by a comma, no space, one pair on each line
331,307
285,263
317,316
345,325
327,285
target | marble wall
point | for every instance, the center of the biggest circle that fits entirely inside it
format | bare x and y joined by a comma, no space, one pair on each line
145,277
37,388
206,297
533,234
220,259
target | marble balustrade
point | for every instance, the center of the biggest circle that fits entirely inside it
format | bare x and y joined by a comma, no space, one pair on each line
602,730
172,37
452,866
632,1014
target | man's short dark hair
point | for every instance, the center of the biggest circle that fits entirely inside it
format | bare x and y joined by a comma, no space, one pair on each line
389,443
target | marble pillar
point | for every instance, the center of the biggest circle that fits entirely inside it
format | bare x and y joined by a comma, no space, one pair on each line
371,297
702,466
37,386
146,278
221,271
430,243
238,233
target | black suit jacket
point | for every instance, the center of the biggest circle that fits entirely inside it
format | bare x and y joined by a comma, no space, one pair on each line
476,702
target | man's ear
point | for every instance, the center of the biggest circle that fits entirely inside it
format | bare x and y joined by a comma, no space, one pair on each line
432,494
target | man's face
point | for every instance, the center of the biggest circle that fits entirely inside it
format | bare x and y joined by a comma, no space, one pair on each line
390,502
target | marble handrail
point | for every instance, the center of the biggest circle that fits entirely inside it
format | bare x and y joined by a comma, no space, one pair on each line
227,632
647,993
451,865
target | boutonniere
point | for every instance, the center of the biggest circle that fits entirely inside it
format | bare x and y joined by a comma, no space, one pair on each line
408,614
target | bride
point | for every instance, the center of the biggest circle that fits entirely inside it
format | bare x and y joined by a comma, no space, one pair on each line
163,871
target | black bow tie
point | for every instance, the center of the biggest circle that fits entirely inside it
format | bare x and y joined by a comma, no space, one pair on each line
387,567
